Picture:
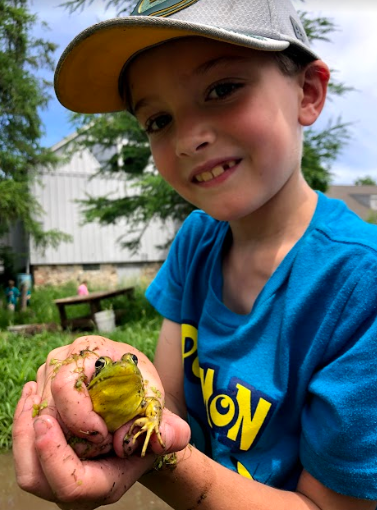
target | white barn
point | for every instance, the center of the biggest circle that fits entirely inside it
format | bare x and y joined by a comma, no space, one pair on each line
95,253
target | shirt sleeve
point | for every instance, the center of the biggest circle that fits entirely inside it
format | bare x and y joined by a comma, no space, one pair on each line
339,423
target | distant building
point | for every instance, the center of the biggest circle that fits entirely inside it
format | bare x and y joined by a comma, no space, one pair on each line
360,199
95,253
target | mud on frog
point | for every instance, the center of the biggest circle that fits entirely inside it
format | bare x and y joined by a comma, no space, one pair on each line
118,395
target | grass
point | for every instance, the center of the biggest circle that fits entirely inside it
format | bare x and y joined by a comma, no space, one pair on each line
21,356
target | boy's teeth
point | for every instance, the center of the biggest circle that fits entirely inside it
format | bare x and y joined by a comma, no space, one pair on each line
218,170
215,172
231,164
206,176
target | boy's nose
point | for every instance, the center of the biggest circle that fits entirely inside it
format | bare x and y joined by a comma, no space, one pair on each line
192,137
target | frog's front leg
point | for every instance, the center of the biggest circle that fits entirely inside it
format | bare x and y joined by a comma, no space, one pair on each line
149,423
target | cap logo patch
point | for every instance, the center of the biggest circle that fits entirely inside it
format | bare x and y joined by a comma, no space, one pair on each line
298,30
160,7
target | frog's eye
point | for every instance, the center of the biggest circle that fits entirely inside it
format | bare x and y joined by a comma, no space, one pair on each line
99,364
134,359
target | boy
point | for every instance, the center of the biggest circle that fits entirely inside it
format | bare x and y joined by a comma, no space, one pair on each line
270,286
12,294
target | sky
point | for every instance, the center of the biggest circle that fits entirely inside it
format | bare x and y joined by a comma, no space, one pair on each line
351,54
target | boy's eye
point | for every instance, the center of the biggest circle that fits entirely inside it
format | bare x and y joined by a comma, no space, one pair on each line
155,124
222,90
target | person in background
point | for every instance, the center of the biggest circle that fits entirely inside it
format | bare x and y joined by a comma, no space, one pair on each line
12,294
83,289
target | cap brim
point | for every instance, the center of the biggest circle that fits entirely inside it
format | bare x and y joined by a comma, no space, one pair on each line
87,74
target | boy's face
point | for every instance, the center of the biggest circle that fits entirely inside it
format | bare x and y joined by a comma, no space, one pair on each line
222,121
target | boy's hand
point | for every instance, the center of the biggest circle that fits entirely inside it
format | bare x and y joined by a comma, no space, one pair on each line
61,385
47,466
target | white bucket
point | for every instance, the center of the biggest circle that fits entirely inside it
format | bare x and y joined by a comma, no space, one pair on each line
105,320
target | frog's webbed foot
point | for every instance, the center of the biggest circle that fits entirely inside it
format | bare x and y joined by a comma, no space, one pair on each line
149,424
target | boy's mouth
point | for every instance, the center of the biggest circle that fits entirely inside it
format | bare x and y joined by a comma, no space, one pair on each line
216,171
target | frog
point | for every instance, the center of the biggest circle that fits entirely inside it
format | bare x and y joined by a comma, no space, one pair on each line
117,391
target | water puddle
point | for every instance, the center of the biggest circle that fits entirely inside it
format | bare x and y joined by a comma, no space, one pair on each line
13,498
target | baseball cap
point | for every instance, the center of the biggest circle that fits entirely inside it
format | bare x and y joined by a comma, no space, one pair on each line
88,72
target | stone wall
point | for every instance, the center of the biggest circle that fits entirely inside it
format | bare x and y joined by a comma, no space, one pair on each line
104,276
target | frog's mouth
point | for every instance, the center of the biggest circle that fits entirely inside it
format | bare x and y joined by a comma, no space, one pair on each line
121,379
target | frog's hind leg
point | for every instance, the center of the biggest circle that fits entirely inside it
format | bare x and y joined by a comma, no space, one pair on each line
145,426
149,424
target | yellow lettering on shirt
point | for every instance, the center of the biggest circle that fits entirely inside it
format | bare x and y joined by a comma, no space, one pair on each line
238,413
241,470
249,424
189,332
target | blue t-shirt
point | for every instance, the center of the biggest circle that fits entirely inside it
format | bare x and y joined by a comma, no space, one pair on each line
12,295
293,383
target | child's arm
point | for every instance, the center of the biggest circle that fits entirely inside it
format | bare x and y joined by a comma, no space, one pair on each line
168,361
200,483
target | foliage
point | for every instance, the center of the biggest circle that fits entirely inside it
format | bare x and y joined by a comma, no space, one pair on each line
320,150
367,180
21,355
134,309
148,197
22,94
372,218
77,5
317,29
101,133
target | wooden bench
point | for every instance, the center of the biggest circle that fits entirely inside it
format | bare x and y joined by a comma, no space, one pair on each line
94,300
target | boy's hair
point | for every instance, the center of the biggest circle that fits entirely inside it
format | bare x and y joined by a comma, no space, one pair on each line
291,63
90,74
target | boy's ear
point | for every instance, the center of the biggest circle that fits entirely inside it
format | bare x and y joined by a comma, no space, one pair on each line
314,82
